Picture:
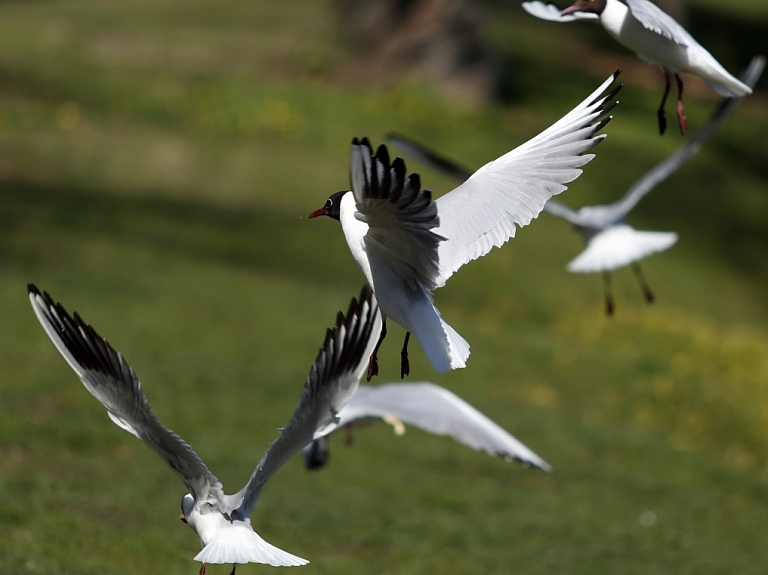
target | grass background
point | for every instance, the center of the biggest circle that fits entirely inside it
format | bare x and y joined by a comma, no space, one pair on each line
157,163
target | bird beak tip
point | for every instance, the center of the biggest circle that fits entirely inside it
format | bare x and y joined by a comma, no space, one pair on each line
320,212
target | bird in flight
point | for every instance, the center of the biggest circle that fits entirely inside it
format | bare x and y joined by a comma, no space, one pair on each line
408,245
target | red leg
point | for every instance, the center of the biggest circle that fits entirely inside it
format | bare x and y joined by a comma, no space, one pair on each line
373,365
681,119
405,366
202,569
660,112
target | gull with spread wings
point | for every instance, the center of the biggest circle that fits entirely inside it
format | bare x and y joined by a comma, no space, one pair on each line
408,245
222,522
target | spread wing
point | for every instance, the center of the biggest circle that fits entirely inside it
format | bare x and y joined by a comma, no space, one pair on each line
437,410
400,215
485,210
693,144
448,167
655,19
549,11
333,378
108,377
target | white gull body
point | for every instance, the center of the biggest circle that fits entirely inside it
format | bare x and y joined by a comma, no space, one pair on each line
431,408
655,37
407,245
611,243
222,522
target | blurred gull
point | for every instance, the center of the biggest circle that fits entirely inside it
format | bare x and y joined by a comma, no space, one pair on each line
433,409
610,242
655,37
407,245
221,521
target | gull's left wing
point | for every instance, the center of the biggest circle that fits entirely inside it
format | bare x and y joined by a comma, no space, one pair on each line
656,20
108,377
510,191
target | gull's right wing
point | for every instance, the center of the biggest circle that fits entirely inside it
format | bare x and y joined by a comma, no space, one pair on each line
111,380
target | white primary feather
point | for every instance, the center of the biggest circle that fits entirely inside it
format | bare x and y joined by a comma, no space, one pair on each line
439,411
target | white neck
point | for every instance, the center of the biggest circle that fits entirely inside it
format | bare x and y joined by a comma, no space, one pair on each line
354,232
613,16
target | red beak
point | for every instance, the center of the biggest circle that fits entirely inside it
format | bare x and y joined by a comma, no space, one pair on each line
320,212
570,10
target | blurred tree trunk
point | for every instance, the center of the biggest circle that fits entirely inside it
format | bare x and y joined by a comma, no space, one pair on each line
439,38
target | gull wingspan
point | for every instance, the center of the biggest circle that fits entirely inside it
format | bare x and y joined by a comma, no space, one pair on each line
484,211
332,380
549,11
656,20
437,410
662,171
400,215
448,167
108,377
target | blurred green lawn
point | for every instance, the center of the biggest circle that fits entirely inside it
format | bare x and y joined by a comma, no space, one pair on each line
157,163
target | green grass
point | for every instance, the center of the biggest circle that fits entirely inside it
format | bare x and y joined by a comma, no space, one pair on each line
157,163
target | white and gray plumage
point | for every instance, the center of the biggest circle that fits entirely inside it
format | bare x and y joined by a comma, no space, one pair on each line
611,243
432,408
655,37
221,521
407,245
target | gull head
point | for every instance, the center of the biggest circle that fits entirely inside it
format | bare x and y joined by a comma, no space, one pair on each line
187,505
331,208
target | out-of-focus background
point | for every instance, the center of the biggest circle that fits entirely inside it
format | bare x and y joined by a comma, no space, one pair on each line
157,164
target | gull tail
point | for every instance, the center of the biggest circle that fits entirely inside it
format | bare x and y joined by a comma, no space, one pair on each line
619,246
240,544
444,347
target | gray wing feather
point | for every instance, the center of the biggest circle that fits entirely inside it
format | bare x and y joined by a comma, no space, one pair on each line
437,410
108,377
662,171
332,380
655,19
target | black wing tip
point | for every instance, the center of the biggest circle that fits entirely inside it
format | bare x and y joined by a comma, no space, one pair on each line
345,343
88,348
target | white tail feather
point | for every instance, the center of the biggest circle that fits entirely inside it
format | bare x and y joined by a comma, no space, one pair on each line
240,544
619,246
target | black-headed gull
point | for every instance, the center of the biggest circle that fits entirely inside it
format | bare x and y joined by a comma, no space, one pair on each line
610,242
432,408
407,245
655,37
221,521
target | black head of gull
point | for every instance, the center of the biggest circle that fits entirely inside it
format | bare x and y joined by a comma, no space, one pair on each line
331,208
593,6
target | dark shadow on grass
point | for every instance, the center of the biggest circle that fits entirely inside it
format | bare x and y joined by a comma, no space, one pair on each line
258,238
